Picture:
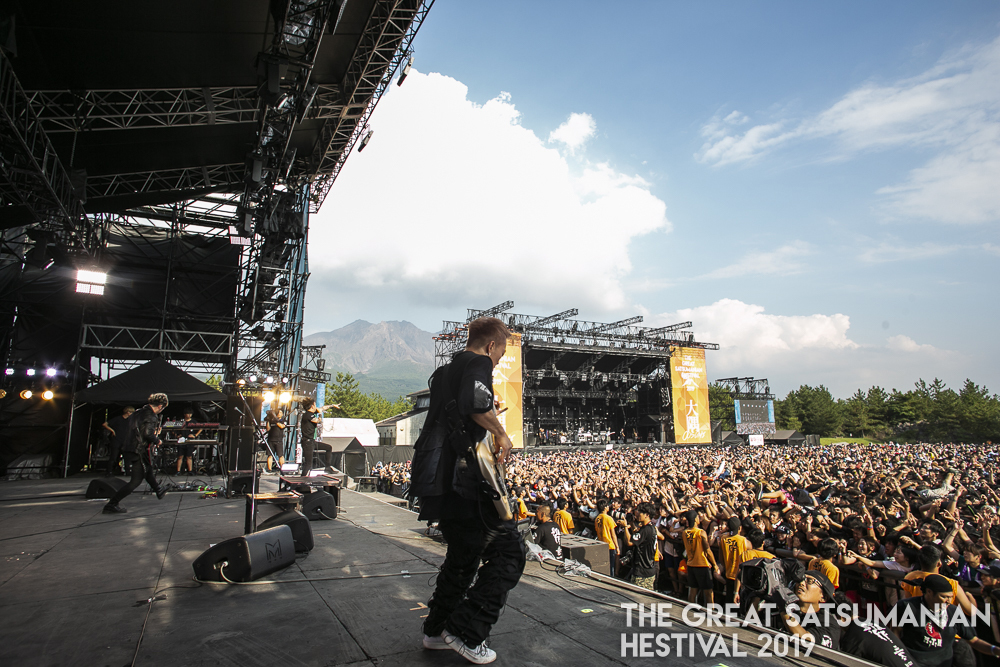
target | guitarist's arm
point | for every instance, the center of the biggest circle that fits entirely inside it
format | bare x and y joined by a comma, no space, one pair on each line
489,421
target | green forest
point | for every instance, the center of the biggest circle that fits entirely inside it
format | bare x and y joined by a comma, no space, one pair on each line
930,412
345,392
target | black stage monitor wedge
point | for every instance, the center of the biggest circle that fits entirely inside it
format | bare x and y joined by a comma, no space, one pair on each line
302,533
592,553
247,558
319,505
241,482
104,487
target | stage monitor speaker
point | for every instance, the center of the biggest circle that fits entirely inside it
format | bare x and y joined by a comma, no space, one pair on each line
249,557
592,553
104,487
302,533
241,482
319,505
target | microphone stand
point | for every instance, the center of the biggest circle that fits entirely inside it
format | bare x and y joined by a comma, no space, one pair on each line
258,440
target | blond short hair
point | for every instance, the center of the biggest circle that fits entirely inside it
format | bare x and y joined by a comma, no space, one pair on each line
158,399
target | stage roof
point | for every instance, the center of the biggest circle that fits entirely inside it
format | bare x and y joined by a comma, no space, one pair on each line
158,102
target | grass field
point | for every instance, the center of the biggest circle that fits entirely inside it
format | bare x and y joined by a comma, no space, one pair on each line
857,441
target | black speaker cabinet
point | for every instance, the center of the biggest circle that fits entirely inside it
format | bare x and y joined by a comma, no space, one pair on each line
319,505
302,533
104,487
592,553
249,557
241,482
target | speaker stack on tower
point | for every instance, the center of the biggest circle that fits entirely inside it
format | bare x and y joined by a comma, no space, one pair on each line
249,557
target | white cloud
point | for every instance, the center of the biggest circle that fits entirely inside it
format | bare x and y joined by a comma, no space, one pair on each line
894,252
575,132
455,204
953,108
791,350
785,261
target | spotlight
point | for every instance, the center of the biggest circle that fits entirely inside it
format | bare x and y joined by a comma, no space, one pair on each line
269,380
253,378
9,371
406,71
284,380
90,282
240,382
26,394
47,394
285,397
30,372
268,396
365,140
51,372
3,393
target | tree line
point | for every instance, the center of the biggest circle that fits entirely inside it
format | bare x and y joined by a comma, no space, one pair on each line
930,412
356,404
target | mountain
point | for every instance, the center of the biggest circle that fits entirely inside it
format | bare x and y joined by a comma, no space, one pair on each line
389,358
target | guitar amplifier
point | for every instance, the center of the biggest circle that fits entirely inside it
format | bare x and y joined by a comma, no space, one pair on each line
592,553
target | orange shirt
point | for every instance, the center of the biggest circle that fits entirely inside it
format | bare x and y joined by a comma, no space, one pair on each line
831,571
564,521
522,510
733,548
604,526
695,548
916,591
750,554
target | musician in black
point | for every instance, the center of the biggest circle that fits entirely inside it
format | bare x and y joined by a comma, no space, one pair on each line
310,419
118,426
460,617
143,436
185,450
275,424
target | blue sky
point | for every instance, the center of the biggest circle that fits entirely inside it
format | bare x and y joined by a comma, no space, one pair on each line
815,186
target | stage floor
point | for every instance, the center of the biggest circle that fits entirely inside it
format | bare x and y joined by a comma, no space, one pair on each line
75,585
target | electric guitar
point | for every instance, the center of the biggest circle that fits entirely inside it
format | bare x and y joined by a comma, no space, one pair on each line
495,475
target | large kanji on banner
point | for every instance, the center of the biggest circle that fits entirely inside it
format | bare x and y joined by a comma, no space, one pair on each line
507,386
690,395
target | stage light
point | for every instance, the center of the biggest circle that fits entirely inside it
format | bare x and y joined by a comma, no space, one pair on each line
90,282
285,397
47,395
240,382
3,393
9,371
284,380
30,372
365,140
51,372
405,72
26,394
253,378
268,396
269,380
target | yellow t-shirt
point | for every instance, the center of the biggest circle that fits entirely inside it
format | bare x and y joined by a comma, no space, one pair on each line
916,591
694,548
831,571
733,548
750,554
604,526
522,510
564,521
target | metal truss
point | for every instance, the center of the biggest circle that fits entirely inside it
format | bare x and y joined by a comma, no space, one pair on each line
223,177
747,388
385,44
110,340
32,177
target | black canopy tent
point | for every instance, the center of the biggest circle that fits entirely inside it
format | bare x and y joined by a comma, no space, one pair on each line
156,376
348,455
135,385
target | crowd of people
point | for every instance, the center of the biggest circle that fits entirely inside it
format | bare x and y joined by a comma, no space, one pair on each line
872,523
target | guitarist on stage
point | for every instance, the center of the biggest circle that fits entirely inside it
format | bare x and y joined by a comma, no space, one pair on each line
460,617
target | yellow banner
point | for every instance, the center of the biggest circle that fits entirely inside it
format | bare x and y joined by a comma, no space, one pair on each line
507,386
689,379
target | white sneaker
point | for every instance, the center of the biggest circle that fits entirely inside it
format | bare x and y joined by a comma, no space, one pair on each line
435,643
479,655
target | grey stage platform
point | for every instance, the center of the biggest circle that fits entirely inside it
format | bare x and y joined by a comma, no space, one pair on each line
74,585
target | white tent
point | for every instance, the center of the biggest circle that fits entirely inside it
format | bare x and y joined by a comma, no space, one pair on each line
362,429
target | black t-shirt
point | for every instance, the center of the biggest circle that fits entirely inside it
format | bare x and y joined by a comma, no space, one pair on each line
120,426
874,643
475,391
549,537
644,551
306,424
929,644
823,627
274,433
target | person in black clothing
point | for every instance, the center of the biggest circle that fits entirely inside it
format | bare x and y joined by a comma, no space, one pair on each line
931,643
118,426
461,413
310,418
643,545
275,424
143,436
185,450
547,533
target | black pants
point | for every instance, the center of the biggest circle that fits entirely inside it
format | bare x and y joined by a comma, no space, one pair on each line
309,450
142,469
114,453
469,613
